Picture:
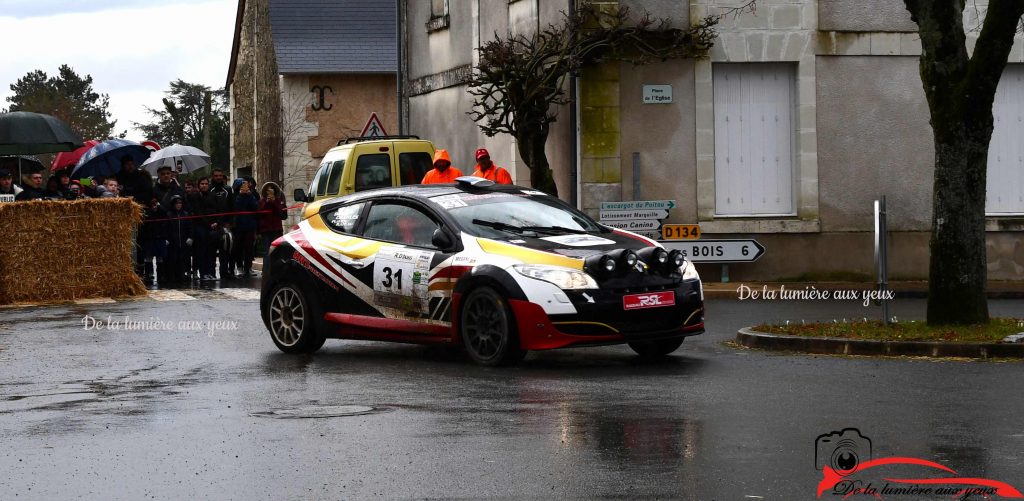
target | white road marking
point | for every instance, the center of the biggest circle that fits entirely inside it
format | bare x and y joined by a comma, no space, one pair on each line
170,295
242,294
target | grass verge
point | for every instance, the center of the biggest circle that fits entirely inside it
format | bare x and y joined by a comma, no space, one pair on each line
993,332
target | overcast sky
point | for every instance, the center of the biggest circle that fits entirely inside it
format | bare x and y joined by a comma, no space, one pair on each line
132,48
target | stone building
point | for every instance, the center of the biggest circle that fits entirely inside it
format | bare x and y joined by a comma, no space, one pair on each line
305,75
805,112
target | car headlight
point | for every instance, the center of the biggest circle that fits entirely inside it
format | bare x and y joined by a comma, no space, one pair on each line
564,278
689,271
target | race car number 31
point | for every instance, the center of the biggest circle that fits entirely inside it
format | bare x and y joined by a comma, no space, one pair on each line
401,272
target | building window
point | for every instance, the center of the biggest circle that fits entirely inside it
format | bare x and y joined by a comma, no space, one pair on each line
754,139
439,18
1005,194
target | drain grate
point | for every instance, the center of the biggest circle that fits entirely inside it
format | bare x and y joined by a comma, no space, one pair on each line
318,411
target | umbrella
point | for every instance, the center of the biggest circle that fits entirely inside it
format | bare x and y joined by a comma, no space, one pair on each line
20,164
24,133
70,158
192,159
104,159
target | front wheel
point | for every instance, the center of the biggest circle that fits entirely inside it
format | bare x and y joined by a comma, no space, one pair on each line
290,318
487,328
655,349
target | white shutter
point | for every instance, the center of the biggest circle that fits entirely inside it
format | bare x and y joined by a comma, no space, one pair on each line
1006,152
754,138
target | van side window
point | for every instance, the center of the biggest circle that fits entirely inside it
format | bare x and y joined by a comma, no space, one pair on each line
413,166
319,185
373,171
334,181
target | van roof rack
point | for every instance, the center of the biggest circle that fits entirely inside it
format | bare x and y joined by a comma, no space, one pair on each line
348,140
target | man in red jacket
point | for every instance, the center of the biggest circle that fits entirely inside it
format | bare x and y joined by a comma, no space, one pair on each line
486,169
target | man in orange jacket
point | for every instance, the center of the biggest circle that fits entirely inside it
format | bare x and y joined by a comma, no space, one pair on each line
443,172
486,169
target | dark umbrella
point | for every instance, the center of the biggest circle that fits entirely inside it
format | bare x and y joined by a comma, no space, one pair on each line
24,133
104,159
20,164
69,159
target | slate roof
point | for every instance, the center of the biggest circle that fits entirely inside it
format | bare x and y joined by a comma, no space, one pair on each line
329,36
334,36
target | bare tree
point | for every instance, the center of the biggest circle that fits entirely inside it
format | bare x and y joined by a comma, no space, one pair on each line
961,89
519,78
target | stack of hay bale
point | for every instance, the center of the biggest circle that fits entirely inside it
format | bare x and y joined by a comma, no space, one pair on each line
67,250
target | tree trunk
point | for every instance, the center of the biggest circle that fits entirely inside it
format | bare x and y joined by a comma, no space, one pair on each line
961,88
531,148
957,271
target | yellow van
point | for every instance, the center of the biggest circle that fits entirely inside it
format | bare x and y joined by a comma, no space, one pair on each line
364,164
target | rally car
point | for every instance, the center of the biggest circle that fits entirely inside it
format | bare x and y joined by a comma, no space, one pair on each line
496,269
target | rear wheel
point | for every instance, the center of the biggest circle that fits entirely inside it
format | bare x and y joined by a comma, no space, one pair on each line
488,330
655,349
290,318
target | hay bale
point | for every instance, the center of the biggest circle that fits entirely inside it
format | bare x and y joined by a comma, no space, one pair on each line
67,250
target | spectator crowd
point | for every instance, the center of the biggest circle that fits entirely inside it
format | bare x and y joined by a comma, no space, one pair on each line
191,230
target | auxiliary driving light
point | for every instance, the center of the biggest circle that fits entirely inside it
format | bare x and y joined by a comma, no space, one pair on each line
676,258
655,257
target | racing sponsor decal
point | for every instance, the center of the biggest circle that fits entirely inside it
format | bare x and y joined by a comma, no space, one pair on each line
400,278
534,192
299,258
578,240
449,201
650,300
526,255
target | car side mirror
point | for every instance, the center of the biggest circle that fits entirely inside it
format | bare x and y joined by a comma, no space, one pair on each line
441,240
299,195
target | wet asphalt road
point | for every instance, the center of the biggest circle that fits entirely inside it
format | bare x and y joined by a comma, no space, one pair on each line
187,414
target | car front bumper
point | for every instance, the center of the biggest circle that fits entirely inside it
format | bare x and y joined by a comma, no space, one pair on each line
601,318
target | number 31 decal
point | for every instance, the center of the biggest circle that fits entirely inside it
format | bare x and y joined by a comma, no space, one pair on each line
391,278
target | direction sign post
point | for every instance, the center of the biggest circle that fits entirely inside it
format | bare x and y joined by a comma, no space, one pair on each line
719,251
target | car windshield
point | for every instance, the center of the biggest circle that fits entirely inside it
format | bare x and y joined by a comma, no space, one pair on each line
505,215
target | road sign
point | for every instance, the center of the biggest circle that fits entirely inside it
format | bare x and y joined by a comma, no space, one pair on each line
619,215
638,205
657,94
719,251
373,127
680,232
650,225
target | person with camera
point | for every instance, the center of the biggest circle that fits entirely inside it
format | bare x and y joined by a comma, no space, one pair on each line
274,210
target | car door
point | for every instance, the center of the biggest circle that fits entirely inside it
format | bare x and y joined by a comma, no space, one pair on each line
404,262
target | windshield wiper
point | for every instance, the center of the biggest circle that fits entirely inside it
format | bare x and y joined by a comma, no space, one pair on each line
556,230
500,226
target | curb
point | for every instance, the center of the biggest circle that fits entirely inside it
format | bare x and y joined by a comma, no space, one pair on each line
838,346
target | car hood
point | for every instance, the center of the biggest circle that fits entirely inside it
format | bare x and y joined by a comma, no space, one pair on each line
583,245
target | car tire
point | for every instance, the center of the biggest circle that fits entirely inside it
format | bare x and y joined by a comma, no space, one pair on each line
488,328
656,349
291,320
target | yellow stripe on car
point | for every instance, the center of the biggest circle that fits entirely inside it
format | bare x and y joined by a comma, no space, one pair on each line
528,256
353,247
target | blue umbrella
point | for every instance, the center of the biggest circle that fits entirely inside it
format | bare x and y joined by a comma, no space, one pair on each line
104,159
